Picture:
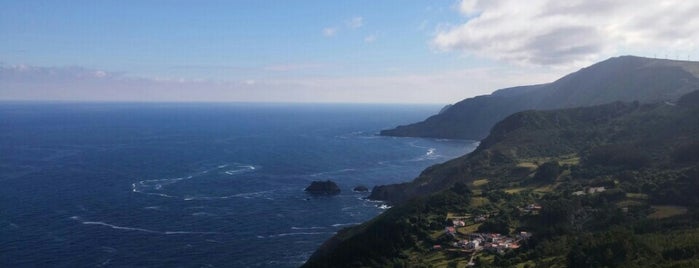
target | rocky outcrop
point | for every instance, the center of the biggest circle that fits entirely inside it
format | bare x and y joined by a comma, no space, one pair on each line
361,189
323,188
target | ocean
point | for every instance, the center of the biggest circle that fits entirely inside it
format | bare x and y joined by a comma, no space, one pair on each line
194,185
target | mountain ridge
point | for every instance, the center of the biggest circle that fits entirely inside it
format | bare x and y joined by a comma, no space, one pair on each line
624,78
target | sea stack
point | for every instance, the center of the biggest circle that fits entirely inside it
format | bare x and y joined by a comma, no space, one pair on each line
361,189
323,188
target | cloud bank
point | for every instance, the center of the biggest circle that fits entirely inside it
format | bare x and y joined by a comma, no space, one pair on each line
23,82
551,32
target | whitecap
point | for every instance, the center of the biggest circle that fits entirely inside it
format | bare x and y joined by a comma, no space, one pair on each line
108,249
203,214
120,227
295,234
307,228
332,172
124,228
187,232
241,169
105,262
345,224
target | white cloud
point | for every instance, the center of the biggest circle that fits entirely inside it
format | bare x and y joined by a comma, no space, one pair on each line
69,84
293,67
100,74
329,31
370,38
355,23
552,32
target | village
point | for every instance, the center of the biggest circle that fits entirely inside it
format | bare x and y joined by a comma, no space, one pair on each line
475,242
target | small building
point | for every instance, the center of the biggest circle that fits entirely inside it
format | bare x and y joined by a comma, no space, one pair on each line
473,244
534,207
593,190
524,235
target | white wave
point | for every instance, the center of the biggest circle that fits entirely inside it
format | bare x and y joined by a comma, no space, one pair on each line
307,228
260,194
345,224
187,232
108,249
153,208
414,144
430,151
136,228
157,186
105,262
159,194
239,170
383,206
120,227
299,233
332,172
369,200
203,214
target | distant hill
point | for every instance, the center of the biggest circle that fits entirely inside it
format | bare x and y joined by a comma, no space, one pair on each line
644,157
625,78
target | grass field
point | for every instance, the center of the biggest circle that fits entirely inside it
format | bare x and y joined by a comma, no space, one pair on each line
481,182
479,201
662,212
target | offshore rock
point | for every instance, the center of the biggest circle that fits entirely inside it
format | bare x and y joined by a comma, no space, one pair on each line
360,188
323,188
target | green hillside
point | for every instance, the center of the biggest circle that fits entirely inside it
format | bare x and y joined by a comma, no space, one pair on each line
606,186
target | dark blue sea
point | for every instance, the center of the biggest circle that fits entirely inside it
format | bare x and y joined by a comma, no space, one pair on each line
194,185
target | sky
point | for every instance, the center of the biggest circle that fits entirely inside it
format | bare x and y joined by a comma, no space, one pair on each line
398,51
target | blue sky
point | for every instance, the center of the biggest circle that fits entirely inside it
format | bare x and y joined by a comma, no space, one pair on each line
318,51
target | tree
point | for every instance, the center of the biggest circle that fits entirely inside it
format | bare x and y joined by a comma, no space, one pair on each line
547,172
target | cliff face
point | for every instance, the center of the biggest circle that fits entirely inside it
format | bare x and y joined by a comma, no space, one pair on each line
625,78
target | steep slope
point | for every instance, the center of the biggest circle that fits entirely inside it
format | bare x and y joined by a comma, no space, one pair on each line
536,134
625,78
645,154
